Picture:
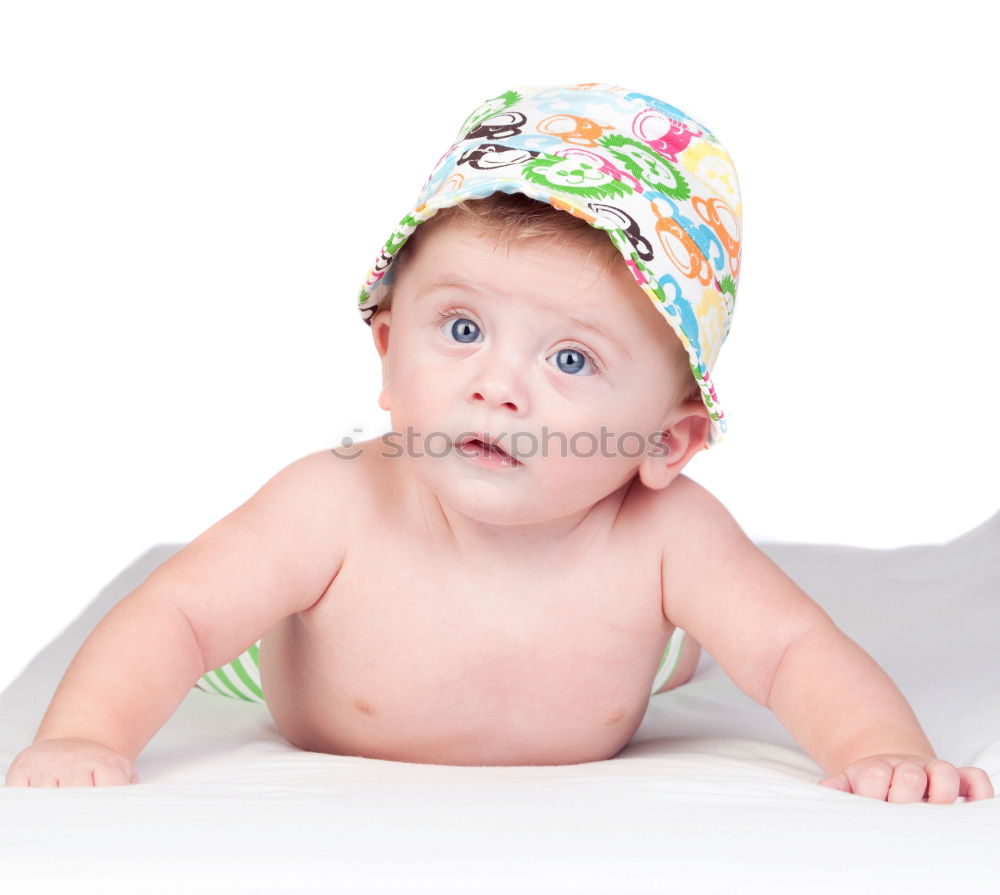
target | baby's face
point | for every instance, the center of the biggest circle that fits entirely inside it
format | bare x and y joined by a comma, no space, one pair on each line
543,350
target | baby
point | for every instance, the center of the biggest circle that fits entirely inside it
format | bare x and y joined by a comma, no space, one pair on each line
505,577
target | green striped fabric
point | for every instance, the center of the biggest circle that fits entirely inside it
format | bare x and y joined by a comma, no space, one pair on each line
668,661
240,679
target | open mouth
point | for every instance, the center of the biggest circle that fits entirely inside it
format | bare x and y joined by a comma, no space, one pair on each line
487,450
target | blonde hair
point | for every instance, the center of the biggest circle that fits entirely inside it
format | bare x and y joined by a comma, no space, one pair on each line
514,217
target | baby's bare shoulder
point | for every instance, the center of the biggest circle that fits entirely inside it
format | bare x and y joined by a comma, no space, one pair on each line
350,469
362,470
308,490
272,556
684,513
698,534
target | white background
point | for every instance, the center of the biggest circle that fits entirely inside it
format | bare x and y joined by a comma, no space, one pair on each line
192,193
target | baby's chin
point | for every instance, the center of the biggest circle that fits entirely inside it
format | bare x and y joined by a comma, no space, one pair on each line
516,499
508,514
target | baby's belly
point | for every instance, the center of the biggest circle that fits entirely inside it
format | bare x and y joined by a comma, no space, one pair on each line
465,692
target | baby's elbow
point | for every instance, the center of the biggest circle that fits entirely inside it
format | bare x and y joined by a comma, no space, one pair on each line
821,627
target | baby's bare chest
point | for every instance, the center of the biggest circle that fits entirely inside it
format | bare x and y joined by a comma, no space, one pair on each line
412,659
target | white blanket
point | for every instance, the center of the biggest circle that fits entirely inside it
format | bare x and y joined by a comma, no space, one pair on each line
712,794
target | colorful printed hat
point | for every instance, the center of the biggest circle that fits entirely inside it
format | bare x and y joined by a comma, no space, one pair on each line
655,180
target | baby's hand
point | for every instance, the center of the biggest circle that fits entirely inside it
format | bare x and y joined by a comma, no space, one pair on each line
70,762
911,778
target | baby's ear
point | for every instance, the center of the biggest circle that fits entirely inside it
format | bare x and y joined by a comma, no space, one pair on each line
381,324
380,331
683,433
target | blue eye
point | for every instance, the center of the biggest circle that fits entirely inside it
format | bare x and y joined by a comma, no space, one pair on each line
464,330
571,360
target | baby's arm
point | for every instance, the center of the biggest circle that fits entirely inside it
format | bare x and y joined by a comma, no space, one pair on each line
847,713
786,653
269,558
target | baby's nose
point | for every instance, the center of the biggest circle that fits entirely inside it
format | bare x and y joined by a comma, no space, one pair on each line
500,384
486,395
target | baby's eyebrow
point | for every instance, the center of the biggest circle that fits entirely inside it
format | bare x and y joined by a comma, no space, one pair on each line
461,284
446,284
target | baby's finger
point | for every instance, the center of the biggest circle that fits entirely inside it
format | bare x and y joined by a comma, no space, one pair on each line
105,775
942,782
837,781
15,778
909,783
974,784
870,778
42,779
80,776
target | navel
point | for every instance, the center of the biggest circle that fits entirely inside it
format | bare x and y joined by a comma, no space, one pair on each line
615,717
